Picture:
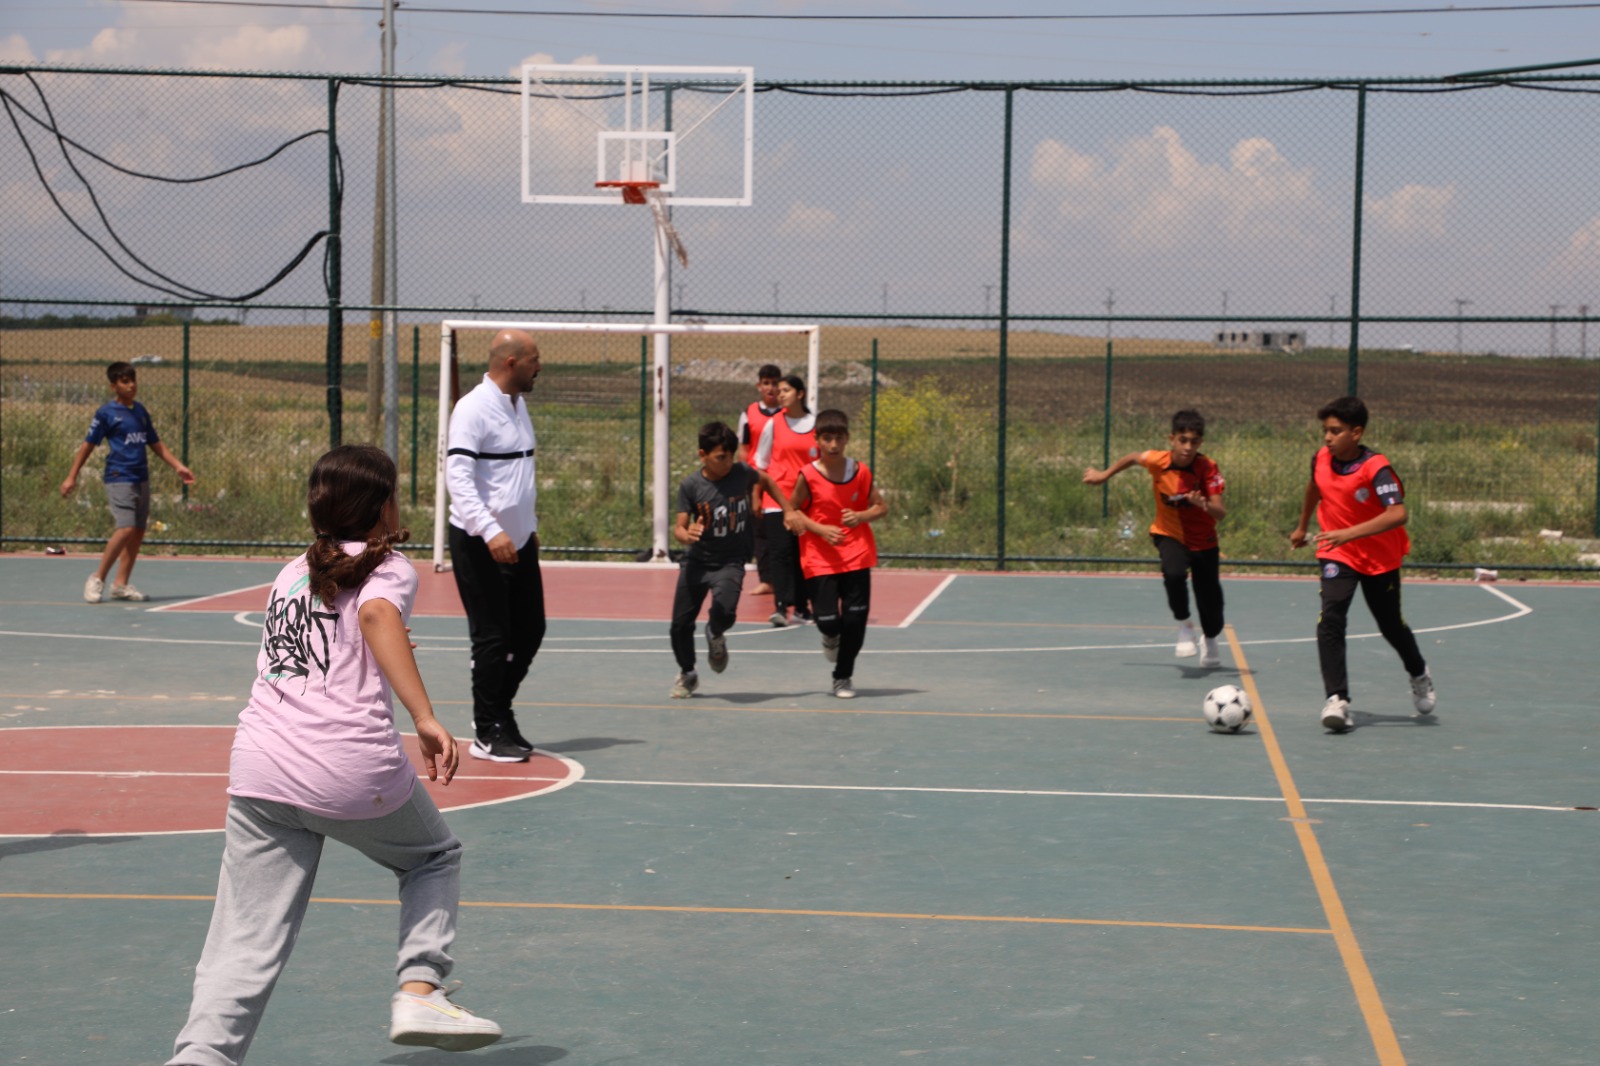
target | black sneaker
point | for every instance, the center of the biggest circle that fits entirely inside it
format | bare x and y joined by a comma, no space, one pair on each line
514,735
496,748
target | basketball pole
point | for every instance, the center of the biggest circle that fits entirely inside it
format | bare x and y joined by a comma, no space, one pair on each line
661,371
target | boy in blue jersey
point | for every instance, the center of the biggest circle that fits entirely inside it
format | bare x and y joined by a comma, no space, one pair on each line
125,426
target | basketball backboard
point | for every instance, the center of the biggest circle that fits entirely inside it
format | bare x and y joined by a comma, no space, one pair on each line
688,128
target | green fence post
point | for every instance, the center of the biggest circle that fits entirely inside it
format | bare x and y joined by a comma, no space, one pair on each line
416,396
1353,378
872,411
644,402
1105,447
1005,329
185,443
333,275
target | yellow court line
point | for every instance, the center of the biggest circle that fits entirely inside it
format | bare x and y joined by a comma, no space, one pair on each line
769,911
1344,935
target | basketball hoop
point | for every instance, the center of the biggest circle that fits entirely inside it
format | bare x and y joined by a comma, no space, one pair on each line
649,192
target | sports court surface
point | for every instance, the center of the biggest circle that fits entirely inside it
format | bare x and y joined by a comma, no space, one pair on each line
1020,845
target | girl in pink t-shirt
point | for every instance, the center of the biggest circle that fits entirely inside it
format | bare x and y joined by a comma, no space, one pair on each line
317,755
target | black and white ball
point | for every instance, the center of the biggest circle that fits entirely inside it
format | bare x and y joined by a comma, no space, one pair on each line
1227,708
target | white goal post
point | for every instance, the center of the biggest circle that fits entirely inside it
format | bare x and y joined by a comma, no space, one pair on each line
661,497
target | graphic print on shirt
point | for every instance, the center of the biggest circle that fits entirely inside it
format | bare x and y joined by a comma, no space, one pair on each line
296,635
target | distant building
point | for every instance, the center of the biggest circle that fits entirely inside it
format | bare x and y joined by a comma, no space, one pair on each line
1281,340
182,314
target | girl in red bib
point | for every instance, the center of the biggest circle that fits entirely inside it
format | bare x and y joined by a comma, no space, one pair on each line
1360,508
834,500
787,443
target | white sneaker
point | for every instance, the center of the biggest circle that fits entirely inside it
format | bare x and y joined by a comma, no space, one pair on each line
843,689
830,647
778,619
433,1021
93,589
1210,653
1336,715
127,592
1186,644
1423,697
684,687
716,650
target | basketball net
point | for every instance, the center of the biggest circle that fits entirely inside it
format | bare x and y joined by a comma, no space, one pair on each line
665,231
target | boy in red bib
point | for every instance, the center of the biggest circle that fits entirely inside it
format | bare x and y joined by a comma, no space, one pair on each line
834,500
1188,488
1360,507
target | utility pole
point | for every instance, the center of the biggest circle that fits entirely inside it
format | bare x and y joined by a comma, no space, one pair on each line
987,290
680,286
1583,332
1223,325
1555,309
886,299
1460,303
774,297
1333,309
1111,302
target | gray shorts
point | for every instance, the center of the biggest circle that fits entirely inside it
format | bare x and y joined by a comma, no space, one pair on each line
130,503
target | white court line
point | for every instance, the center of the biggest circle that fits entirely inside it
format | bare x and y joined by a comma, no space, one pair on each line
927,601
563,782
208,596
1522,610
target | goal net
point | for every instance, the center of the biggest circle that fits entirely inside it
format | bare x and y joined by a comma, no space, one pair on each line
567,345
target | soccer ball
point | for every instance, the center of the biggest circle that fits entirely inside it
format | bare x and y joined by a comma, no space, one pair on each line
1227,708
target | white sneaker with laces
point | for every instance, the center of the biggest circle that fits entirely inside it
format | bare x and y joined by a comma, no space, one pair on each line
843,689
433,1021
94,589
1336,715
1186,642
1423,698
127,592
1210,653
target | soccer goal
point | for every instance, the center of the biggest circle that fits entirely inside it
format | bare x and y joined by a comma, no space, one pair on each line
450,334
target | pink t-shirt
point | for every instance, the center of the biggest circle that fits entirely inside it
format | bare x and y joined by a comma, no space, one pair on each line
318,732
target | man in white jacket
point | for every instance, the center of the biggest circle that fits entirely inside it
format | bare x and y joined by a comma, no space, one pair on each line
494,539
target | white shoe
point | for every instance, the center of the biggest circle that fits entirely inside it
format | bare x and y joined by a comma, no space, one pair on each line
778,619
843,689
1210,653
1336,715
127,592
93,589
1423,697
1186,643
716,650
684,687
433,1021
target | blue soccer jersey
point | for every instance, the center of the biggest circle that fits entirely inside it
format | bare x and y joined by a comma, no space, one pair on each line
128,431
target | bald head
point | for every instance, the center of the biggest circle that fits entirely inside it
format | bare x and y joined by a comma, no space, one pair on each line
513,360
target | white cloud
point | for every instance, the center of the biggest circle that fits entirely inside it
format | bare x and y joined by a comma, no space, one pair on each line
1582,253
1412,210
14,49
803,220
1152,193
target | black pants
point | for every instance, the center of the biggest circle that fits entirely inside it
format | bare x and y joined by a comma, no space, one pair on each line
1204,567
505,618
1382,593
783,564
695,579
842,603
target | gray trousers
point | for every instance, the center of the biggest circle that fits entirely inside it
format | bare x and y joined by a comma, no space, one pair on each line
269,865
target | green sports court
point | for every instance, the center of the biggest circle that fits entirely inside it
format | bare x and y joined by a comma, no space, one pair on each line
1020,844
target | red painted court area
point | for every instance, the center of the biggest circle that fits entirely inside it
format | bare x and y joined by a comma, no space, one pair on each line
167,779
626,592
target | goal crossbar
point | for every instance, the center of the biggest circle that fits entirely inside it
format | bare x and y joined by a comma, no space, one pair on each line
662,333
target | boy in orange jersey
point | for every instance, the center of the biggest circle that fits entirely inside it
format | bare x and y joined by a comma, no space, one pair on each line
1188,489
1360,507
833,503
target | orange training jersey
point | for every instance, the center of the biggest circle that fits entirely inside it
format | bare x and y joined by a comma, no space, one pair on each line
791,450
1353,493
1193,527
755,420
829,499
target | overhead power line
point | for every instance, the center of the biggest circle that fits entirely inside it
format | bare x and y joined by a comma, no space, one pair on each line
1451,9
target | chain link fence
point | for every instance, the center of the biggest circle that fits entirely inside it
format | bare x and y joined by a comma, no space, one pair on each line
1015,282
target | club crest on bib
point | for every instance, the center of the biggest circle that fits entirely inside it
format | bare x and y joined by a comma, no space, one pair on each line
1330,570
1363,494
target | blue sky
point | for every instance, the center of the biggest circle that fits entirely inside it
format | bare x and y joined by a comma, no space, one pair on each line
1177,203
1257,45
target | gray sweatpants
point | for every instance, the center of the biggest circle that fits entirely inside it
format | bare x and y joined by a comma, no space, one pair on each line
269,864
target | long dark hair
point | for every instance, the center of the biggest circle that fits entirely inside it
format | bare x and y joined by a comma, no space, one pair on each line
348,489
798,384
